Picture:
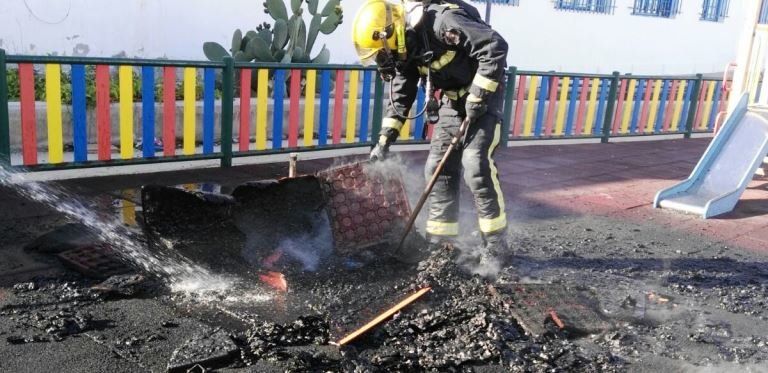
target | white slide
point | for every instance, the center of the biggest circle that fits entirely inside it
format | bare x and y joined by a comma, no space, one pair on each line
726,168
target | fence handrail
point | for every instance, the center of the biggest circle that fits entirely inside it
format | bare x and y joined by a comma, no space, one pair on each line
607,76
112,61
117,61
560,74
300,66
662,77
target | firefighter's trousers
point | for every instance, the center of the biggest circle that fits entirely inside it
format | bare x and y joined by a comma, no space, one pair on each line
475,156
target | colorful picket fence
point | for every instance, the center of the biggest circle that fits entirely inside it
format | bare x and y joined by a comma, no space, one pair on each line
100,129
348,121
125,129
285,108
578,106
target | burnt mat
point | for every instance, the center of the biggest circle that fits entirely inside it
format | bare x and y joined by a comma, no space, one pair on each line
291,224
99,261
366,206
542,308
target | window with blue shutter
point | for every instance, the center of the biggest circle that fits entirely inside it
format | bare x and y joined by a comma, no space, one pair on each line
592,6
656,8
500,2
714,10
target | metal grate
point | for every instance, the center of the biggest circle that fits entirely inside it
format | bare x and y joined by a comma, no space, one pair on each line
656,8
365,209
535,306
96,261
714,10
592,6
500,2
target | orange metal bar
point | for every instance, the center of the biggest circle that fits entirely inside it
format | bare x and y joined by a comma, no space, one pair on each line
556,319
385,315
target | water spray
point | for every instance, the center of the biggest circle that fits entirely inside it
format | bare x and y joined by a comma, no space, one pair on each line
180,273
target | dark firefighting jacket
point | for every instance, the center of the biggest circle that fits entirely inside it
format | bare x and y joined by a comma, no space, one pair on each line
467,57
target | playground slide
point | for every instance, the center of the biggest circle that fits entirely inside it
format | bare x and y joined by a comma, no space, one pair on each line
725,169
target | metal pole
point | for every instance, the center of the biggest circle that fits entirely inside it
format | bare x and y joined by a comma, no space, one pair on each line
488,11
694,106
509,99
293,159
227,111
5,125
611,109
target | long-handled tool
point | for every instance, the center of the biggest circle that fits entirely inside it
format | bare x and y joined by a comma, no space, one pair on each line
383,316
415,213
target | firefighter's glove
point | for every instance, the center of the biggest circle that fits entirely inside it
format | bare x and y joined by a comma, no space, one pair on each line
475,108
380,150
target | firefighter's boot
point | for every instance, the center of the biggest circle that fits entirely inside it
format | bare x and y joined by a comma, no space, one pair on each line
494,247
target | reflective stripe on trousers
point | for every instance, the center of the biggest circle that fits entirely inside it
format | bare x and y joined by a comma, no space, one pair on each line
475,156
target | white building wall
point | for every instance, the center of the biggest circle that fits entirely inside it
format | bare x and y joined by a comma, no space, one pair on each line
540,37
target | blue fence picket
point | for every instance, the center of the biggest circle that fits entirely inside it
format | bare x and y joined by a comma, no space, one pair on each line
277,118
148,111
575,89
418,130
658,126
540,110
604,87
325,97
209,80
79,117
641,87
366,106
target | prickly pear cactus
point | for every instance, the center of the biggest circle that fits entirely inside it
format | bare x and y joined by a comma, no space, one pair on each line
288,39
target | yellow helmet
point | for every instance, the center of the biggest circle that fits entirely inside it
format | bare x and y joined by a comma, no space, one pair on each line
375,20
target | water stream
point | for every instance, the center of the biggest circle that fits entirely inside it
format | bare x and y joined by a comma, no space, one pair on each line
178,272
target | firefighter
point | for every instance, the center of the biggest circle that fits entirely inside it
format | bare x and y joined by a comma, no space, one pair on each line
443,45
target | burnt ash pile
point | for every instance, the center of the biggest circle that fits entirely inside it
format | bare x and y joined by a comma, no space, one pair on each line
702,309
458,326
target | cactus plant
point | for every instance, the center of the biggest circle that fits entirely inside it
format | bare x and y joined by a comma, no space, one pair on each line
288,40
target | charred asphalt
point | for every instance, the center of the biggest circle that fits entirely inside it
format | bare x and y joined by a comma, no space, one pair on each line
670,302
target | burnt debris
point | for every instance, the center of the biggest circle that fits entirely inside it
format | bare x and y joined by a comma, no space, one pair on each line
206,350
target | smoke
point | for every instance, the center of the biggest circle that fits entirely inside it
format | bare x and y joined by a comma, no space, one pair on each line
309,249
469,241
397,166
